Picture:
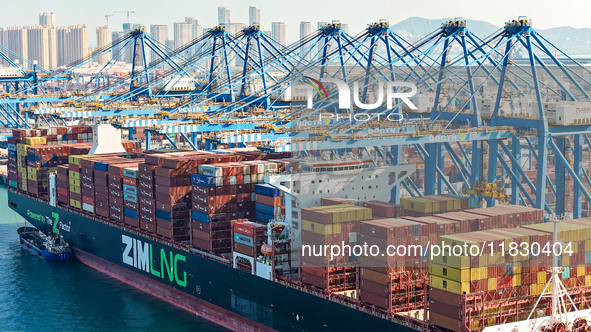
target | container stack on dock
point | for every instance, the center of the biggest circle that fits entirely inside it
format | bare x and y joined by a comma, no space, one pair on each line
472,292
331,225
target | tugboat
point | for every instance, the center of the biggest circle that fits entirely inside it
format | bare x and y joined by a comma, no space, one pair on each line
45,246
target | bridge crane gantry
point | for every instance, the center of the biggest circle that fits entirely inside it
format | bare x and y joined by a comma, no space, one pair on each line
476,85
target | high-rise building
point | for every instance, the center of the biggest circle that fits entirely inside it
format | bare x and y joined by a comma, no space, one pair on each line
182,34
160,33
278,32
103,39
235,28
47,19
254,16
42,46
321,24
223,16
170,44
16,40
115,51
72,43
196,29
305,31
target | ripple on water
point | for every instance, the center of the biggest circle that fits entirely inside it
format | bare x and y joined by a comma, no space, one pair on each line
36,295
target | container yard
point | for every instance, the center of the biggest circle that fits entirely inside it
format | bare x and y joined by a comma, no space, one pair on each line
222,176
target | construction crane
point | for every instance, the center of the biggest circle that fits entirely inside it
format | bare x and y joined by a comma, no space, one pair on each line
123,11
107,19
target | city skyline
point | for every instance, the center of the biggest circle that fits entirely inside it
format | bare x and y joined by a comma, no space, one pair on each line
51,44
152,12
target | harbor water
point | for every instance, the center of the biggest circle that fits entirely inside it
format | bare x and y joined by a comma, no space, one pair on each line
37,295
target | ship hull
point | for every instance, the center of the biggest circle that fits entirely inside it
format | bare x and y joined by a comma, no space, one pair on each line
208,288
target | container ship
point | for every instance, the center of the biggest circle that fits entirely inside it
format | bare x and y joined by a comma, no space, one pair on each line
222,233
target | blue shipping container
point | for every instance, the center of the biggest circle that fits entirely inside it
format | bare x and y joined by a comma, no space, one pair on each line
129,189
202,217
267,190
101,166
163,214
264,218
130,173
130,213
203,180
130,197
243,239
266,209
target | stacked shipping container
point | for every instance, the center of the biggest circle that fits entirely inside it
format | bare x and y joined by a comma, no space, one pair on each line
472,292
248,238
269,203
330,225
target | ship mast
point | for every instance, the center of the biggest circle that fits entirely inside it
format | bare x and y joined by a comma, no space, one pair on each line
558,292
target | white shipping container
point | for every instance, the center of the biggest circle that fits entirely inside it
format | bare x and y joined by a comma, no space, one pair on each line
87,207
210,170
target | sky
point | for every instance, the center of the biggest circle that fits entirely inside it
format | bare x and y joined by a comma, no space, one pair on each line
544,13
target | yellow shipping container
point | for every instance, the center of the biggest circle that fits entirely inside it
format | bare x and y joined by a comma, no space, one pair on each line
566,232
418,204
565,260
581,270
587,245
74,175
449,272
516,267
346,212
457,262
516,280
537,289
74,182
75,203
75,189
75,160
35,141
21,149
449,285
318,228
541,277
492,284
478,273
587,280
